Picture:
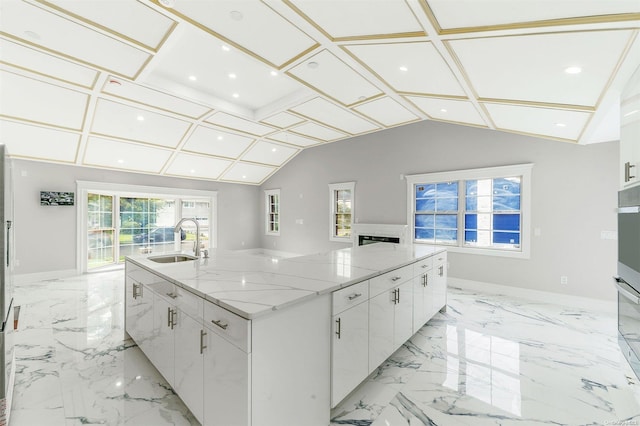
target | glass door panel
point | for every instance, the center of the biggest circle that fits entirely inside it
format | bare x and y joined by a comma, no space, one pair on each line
100,231
198,209
146,226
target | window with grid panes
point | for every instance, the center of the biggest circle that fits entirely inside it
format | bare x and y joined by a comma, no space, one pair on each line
341,196
272,209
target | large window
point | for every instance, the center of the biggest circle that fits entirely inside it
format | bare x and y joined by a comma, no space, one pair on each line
125,220
272,211
341,198
481,211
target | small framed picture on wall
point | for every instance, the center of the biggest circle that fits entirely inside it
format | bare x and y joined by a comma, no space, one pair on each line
54,198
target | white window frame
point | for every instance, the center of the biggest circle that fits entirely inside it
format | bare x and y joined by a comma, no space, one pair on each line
524,170
333,187
267,211
119,190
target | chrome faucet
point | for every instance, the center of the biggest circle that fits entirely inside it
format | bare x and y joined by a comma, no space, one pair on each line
196,249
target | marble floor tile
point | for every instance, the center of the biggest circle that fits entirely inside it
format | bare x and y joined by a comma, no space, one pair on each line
488,360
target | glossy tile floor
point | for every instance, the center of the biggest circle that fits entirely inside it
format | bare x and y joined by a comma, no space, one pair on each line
489,360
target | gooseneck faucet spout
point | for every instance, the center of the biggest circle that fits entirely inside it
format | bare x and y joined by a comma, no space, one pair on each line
196,249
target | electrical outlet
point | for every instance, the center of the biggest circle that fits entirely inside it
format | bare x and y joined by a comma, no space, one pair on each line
564,280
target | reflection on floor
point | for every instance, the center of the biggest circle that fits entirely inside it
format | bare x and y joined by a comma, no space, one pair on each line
489,360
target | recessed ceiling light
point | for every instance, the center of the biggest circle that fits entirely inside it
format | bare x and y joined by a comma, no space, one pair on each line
232,76
403,68
140,118
167,3
443,110
32,35
244,176
236,15
192,171
573,70
561,125
273,149
313,65
193,78
235,95
226,48
220,138
120,161
274,73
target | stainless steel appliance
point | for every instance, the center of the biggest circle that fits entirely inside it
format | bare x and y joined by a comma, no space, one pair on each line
7,370
628,279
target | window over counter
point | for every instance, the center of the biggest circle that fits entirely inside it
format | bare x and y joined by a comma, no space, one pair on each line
482,211
341,198
272,211
117,220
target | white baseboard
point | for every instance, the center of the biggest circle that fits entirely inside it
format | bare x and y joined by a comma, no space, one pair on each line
536,295
43,276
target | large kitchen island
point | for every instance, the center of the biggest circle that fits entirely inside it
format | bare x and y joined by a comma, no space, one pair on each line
254,340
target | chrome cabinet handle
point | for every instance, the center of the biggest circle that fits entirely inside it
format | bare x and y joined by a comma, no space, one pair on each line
172,295
174,321
396,278
137,290
354,296
168,317
338,327
219,323
202,345
627,171
396,296
425,280
441,271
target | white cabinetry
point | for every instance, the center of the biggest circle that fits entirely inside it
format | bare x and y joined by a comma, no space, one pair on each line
422,292
139,311
188,371
439,289
630,133
390,313
227,368
350,349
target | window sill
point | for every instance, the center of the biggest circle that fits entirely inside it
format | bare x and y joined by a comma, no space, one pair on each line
524,254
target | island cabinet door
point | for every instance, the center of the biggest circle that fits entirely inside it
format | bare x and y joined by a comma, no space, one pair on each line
139,313
403,315
439,297
381,328
161,351
350,351
189,343
227,372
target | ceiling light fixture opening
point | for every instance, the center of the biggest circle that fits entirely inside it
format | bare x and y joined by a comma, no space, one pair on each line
274,73
232,76
32,35
313,65
404,69
443,110
573,70
193,78
120,161
273,149
244,176
235,95
561,125
236,15
192,171
220,138
226,48
140,118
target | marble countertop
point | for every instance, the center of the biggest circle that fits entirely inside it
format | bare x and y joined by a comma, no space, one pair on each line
252,286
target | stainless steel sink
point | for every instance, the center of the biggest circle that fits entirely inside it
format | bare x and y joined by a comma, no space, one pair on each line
172,258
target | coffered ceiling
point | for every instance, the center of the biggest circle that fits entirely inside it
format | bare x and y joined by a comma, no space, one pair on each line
231,90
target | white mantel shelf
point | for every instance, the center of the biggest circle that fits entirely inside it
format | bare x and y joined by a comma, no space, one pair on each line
254,286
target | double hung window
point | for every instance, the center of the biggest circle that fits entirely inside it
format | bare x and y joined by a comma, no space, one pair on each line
341,197
481,211
272,209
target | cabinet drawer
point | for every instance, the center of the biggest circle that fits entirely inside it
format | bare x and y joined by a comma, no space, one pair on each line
389,280
140,275
188,302
164,289
350,296
423,266
228,325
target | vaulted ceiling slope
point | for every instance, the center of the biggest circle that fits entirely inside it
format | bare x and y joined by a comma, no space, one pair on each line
231,90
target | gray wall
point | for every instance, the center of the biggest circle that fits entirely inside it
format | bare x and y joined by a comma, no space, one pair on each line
46,236
573,195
